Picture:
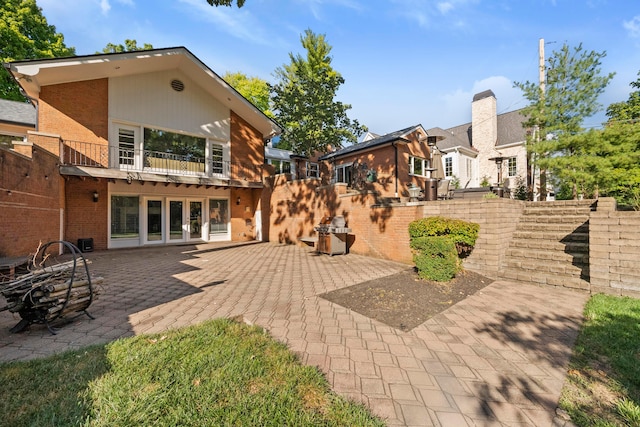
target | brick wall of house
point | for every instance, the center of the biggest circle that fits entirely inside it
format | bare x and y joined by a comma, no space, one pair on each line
29,201
85,218
247,149
247,160
614,250
76,111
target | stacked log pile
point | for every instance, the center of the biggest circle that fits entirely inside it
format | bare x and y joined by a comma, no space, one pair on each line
46,294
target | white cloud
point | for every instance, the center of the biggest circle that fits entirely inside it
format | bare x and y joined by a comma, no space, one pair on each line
633,26
105,6
445,7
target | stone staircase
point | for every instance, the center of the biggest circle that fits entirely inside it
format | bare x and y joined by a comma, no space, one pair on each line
551,245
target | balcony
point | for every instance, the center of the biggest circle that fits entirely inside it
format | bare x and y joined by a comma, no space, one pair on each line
84,154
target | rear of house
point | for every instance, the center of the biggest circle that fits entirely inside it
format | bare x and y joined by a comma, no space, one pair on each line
153,146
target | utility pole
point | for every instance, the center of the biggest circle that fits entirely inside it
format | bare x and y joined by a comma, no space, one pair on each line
542,78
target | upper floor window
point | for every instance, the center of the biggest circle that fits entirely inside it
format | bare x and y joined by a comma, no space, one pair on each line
343,173
512,166
418,166
192,147
312,170
448,166
281,166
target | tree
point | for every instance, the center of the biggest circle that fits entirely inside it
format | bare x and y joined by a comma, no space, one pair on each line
303,101
216,3
629,110
255,89
129,46
25,34
573,84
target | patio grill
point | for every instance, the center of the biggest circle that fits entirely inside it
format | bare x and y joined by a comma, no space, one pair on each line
332,235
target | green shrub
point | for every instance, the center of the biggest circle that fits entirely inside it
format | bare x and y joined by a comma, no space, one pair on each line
459,231
435,257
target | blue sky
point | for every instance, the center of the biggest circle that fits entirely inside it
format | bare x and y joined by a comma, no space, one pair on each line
405,62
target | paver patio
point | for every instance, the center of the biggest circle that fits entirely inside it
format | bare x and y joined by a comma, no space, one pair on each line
497,358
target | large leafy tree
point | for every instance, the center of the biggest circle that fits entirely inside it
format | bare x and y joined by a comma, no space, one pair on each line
304,101
128,46
25,34
629,110
255,89
573,85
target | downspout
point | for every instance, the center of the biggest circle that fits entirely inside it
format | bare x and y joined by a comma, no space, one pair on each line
395,146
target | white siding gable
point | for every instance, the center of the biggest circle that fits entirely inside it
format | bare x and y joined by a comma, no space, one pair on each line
149,100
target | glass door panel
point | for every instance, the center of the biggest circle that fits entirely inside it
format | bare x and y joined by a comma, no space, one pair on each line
195,220
218,216
154,221
176,220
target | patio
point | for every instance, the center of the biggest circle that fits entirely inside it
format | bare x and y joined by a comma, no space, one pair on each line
479,362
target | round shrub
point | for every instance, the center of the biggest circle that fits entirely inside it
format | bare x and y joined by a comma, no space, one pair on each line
436,258
458,230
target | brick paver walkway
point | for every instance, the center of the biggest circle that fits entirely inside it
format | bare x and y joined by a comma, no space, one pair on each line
497,358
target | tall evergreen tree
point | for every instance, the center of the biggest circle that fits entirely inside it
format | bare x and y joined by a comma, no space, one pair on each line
573,85
25,34
304,101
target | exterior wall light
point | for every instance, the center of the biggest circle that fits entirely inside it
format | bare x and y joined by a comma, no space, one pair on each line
95,196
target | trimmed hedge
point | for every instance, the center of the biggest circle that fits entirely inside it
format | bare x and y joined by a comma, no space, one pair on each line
437,243
436,258
458,230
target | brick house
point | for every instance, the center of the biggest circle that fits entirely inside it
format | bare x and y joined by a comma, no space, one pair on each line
387,164
153,147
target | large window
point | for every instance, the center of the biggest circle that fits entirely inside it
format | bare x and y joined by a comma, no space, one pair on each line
343,173
125,217
281,166
418,166
448,166
192,147
512,166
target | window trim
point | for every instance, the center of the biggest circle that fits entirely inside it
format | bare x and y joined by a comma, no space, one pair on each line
425,164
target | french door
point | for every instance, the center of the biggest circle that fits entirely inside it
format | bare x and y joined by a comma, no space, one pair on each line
173,220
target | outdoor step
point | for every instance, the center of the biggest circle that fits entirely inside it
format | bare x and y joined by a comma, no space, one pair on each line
560,236
583,204
564,268
537,211
531,276
565,227
549,219
548,255
551,245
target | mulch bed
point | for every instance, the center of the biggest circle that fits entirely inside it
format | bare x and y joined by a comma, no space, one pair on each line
404,300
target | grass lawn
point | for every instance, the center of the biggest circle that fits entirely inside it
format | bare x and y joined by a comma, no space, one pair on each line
220,373
603,385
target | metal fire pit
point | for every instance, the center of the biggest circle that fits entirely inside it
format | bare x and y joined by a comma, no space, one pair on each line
332,235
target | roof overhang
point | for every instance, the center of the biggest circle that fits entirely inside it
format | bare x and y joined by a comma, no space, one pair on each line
32,75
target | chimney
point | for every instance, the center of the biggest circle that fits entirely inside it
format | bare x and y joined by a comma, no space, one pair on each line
484,121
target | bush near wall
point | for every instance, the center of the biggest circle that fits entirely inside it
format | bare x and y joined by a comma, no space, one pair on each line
436,257
462,233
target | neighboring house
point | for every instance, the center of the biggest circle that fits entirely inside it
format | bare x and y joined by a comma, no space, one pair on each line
286,162
154,147
16,119
387,164
472,151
